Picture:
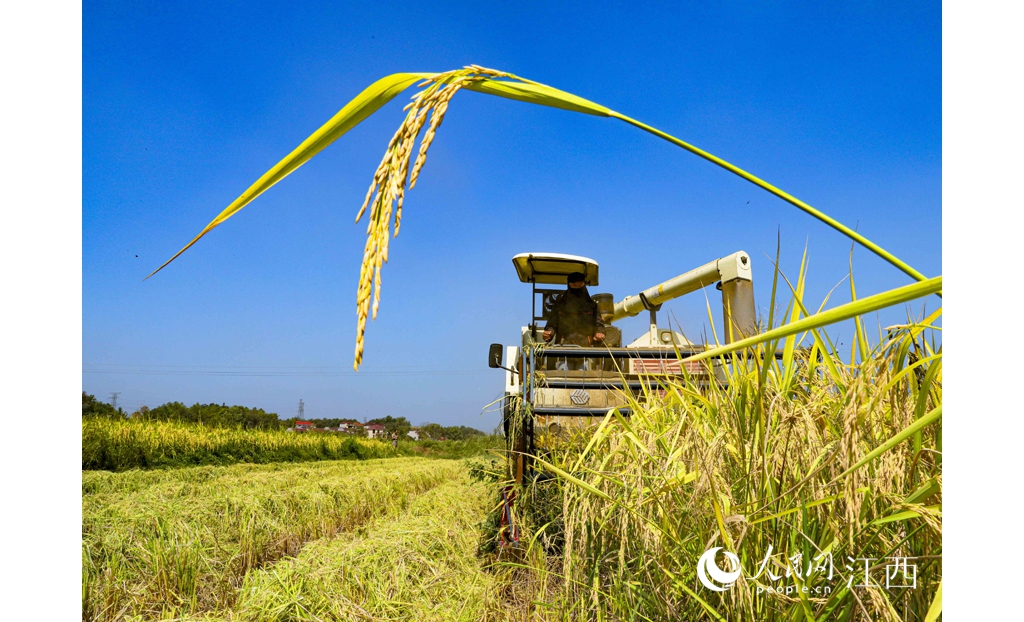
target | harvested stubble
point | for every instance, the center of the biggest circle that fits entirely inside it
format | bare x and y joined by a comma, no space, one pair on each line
118,445
453,450
418,565
166,544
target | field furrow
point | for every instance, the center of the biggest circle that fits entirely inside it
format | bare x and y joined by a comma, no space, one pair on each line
417,565
167,544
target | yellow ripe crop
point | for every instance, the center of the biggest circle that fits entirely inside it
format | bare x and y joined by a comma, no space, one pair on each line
170,543
118,445
418,565
802,457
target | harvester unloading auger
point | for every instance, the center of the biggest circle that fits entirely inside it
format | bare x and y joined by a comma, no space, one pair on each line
545,397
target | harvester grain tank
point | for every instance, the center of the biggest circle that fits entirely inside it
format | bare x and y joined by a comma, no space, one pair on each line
546,397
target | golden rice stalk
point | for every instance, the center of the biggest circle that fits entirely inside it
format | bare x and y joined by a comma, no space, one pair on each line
387,190
392,176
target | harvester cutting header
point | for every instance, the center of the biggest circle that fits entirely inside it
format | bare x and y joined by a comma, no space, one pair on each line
575,366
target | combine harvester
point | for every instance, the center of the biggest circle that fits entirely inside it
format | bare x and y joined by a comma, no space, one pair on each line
546,398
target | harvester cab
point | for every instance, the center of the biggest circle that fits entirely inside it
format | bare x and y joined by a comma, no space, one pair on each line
552,389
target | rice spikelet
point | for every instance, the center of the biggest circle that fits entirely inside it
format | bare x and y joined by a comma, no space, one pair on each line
386,195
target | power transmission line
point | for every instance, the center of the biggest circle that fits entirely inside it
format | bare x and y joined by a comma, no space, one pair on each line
280,372
113,399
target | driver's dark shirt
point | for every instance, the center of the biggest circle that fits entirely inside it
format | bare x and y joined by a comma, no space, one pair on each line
574,318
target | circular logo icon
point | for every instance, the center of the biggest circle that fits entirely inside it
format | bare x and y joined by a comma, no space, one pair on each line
706,566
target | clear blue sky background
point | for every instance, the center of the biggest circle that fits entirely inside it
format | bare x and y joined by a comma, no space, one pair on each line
186,104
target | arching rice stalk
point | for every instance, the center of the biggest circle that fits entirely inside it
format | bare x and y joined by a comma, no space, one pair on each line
389,182
387,190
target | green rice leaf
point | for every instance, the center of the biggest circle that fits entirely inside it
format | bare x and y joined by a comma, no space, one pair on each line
936,609
534,93
703,603
573,479
838,314
926,490
520,89
904,515
366,103
785,196
791,341
810,504
860,337
598,436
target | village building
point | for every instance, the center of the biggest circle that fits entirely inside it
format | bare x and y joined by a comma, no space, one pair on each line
355,427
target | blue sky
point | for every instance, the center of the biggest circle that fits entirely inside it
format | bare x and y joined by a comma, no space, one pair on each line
185,104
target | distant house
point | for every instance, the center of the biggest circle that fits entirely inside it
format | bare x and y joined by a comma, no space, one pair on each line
303,426
375,430
354,427
414,435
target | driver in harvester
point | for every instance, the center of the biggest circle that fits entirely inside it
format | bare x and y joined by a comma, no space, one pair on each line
574,319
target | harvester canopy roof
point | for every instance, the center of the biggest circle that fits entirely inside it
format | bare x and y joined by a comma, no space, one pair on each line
553,268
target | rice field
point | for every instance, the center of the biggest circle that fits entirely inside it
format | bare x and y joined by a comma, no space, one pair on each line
172,543
817,473
418,565
115,445
817,477
118,445
821,478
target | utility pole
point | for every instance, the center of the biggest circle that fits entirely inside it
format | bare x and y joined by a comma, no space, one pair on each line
113,399
302,409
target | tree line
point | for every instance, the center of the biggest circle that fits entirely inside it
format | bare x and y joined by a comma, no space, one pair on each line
220,415
223,415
